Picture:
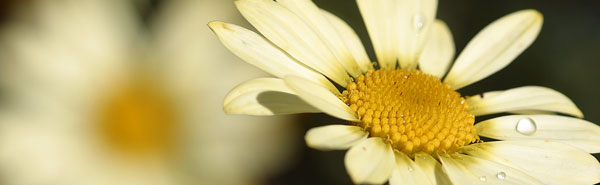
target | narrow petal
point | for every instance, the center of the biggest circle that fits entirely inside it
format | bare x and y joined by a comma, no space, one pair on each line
464,169
527,98
575,132
316,20
370,161
438,50
320,98
551,162
414,20
351,40
407,172
380,18
259,52
289,32
264,96
334,137
495,47
530,112
432,168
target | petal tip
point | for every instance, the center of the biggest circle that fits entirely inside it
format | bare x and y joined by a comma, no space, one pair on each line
578,113
216,26
214,23
533,14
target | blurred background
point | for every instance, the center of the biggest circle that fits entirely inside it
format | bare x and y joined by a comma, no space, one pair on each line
62,62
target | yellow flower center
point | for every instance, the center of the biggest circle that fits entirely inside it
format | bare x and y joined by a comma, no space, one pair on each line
413,111
137,119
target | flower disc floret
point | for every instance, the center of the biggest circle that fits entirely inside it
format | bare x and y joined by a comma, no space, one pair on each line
413,111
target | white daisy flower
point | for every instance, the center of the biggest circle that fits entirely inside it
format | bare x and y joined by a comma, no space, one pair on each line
89,97
405,124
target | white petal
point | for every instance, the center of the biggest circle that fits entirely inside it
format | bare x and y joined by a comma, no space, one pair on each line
379,17
530,112
293,35
438,50
530,98
495,47
407,172
551,162
370,161
257,51
414,20
464,169
334,137
432,168
320,98
351,40
264,96
316,20
576,132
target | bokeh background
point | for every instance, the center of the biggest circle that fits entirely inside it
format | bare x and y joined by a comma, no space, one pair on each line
564,57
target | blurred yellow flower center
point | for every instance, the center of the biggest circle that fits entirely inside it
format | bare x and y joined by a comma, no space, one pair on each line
413,111
137,119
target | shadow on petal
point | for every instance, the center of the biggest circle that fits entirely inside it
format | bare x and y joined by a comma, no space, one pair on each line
284,103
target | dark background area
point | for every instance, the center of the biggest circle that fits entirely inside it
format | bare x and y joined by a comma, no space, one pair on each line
564,57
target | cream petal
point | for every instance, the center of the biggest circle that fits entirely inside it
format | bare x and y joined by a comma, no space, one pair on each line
351,40
407,172
316,20
575,132
432,168
531,98
334,137
438,51
264,96
380,18
413,20
320,98
464,169
530,112
370,161
289,32
495,47
259,52
551,162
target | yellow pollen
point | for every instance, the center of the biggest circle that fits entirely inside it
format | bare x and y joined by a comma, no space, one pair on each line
413,111
137,119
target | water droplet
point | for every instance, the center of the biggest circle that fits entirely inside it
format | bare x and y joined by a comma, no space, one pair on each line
410,169
482,178
419,22
526,126
501,175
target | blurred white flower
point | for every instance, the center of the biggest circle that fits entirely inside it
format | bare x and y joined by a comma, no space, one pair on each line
91,97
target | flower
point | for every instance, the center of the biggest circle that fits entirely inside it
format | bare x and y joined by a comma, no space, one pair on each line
90,97
405,124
